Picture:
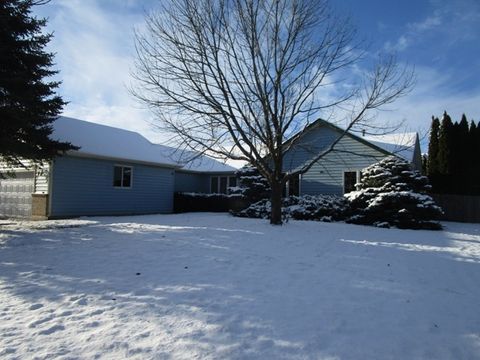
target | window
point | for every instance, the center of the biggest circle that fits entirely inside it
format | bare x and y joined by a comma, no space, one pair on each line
220,184
122,176
294,186
223,185
214,184
349,181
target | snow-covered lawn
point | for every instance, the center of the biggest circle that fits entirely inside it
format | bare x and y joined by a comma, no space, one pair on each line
213,286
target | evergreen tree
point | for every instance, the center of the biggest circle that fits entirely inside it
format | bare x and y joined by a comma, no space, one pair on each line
424,164
28,103
475,163
443,181
473,173
445,145
432,164
460,158
251,185
392,194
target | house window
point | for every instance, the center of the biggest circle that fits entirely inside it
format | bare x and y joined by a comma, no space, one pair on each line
214,184
349,180
122,176
220,184
292,187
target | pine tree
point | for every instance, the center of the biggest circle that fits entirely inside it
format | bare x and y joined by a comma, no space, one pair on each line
445,144
443,182
251,185
432,164
475,139
424,164
473,173
28,103
392,194
460,158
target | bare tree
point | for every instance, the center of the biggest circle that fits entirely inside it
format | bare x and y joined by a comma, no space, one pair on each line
237,78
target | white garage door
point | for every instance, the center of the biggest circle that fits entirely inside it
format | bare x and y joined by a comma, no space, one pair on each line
16,195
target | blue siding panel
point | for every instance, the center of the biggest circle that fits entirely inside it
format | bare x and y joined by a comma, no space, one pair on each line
82,186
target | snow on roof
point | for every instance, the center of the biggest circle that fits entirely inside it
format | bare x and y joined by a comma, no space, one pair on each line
110,142
201,163
400,144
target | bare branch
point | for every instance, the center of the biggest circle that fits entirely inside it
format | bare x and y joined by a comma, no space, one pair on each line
236,78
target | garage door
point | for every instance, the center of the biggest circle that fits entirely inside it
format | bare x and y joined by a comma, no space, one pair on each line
16,195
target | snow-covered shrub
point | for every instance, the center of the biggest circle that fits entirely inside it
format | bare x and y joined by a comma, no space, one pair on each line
390,193
306,207
251,185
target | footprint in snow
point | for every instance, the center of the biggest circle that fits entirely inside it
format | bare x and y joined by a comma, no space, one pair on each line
35,306
40,321
66,313
80,301
52,330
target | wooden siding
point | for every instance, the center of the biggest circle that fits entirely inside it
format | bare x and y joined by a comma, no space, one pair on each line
326,176
82,186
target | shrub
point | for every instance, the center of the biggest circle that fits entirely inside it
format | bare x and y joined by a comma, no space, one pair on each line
307,207
392,194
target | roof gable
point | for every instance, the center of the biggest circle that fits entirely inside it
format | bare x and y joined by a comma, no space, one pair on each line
399,144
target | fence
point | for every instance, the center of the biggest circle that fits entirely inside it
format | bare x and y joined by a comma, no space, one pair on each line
464,208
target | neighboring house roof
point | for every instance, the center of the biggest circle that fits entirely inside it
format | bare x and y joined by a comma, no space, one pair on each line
113,143
400,144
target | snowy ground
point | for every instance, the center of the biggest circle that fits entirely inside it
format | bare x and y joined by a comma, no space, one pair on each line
211,286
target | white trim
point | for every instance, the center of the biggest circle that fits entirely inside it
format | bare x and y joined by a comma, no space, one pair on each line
121,181
50,188
300,184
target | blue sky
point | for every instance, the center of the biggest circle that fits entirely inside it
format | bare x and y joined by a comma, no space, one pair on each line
440,38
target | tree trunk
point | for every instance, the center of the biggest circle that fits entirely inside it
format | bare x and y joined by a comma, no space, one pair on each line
276,200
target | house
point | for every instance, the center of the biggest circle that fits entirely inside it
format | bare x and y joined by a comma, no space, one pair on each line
338,171
114,172
117,171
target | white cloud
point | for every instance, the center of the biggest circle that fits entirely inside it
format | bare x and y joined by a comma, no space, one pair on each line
94,53
429,23
431,96
400,45
453,21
